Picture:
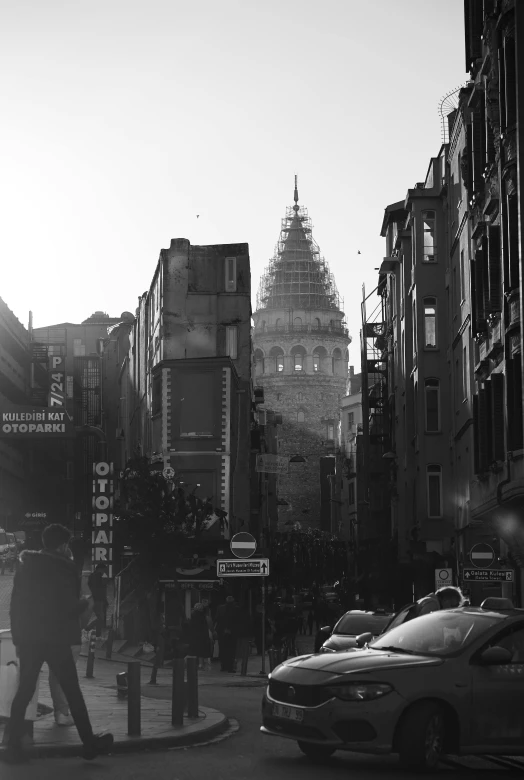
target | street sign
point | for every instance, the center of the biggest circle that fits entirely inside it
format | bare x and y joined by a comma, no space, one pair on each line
257,567
168,472
272,464
482,555
488,575
243,545
443,577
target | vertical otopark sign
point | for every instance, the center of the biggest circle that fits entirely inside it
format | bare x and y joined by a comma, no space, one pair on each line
57,381
102,517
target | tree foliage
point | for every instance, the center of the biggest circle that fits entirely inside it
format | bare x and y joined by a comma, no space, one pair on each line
157,517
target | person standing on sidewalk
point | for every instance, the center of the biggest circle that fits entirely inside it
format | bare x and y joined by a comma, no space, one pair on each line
97,584
45,611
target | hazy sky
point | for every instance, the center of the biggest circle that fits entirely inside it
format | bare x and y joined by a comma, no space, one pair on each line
124,119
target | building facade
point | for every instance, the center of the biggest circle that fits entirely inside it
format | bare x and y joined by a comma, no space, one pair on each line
301,358
185,395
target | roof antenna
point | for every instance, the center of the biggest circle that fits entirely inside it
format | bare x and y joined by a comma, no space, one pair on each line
296,207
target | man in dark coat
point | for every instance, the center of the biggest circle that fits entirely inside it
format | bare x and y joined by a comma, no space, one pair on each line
97,584
226,627
45,621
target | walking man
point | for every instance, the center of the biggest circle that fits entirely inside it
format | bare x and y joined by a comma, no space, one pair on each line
45,623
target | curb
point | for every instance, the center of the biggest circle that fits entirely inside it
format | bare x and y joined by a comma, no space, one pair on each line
135,745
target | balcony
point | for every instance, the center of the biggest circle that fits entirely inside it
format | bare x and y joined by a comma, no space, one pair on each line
337,330
494,336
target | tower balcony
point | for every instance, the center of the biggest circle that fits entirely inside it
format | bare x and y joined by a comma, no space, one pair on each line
335,328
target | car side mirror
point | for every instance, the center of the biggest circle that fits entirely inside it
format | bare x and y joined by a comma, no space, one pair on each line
327,629
496,655
363,639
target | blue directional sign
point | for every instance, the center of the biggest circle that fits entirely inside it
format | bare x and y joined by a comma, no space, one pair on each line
254,567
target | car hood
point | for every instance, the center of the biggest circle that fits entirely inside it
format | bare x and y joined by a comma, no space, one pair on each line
317,669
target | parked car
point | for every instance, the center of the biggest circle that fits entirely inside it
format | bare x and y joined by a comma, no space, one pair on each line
446,682
345,632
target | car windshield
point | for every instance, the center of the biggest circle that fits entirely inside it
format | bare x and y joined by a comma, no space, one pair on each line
439,633
353,625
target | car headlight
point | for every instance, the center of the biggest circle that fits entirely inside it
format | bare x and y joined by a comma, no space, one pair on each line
360,691
327,650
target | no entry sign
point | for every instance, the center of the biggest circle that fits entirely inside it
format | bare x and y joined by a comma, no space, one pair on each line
482,555
243,545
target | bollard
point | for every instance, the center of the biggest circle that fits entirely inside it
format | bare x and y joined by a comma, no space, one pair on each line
121,685
177,693
91,655
109,644
192,686
246,649
133,699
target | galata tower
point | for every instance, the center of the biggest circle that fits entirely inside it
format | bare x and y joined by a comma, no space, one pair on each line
301,360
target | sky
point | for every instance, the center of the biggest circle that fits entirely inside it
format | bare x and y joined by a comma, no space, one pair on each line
122,120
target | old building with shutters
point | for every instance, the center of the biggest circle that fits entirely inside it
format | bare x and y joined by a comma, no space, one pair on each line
301,359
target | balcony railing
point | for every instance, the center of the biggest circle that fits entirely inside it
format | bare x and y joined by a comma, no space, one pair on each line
339,330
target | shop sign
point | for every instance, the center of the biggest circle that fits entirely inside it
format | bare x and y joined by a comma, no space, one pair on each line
273,464
102,517
24,422
57,381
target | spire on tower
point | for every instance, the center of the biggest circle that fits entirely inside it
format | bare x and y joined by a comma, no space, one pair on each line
296,207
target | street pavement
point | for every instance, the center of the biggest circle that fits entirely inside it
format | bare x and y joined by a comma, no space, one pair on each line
241,753
6,584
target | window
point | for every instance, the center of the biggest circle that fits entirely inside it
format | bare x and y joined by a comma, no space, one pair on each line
462,278
300,416
316,363
197,403
318,354
259,361
351,493
434,490
297,323
298,355
429,242
330,429
232,341
300,396
465,375
351,420
277,354
430,322
316,323
278,324
432,390
156,406
414,329
231,274
337,357
79,349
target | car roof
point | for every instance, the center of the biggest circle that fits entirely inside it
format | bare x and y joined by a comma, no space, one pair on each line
500,613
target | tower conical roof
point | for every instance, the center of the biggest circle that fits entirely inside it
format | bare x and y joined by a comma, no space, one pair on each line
297,276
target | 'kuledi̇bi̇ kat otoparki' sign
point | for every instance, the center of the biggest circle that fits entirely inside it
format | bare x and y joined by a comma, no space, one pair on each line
25,422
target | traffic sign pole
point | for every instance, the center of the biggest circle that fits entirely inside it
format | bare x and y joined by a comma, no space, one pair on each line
263,671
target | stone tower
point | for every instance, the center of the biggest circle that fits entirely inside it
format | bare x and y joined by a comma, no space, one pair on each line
301,361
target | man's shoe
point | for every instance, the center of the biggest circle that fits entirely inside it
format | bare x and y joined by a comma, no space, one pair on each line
63,720
15,754
99,745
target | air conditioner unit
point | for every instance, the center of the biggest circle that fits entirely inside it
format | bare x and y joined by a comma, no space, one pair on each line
261,416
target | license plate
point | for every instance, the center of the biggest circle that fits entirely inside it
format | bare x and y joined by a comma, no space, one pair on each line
291,713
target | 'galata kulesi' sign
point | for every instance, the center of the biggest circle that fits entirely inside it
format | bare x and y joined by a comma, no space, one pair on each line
23,422
102,517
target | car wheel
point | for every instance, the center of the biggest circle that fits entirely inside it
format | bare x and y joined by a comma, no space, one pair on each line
316,752
421,737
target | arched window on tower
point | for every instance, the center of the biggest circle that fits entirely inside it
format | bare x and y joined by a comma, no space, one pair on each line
279,325
337,360
301,417
259,362
319,355
297,323
316,323
298,355
277,355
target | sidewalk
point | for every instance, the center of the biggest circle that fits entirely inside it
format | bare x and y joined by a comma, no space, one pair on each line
109,713
305,644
